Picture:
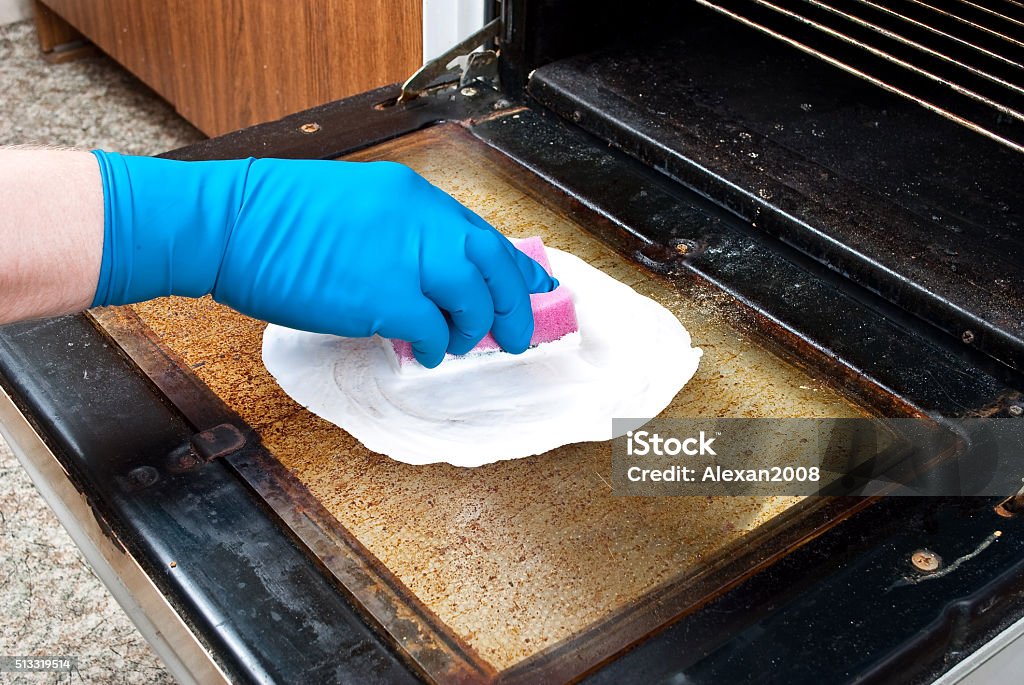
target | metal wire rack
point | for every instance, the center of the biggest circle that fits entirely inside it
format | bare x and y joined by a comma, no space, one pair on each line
962,59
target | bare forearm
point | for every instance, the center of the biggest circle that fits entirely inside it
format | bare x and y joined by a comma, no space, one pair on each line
51,225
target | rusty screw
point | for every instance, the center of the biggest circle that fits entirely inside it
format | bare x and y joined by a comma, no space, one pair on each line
926,561
142,477
1016,410
968,337
188,460
311,127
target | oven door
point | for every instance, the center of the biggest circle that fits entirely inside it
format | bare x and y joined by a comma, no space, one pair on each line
253,541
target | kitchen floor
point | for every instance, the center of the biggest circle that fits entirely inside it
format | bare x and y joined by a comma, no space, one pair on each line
51,603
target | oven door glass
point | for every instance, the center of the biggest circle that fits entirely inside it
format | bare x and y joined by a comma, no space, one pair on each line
527,569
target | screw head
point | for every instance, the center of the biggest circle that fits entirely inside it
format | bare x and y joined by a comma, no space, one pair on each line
469,91
311,127
926,561
1016,410
968,337
143,476
188,460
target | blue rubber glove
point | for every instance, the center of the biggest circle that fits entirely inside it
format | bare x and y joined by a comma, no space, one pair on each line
345,248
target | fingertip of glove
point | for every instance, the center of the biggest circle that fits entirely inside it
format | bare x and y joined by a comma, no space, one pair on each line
518,342
428,359
461,344
536,278
551,284
517,348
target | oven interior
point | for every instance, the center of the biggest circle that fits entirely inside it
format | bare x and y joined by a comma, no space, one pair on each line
882,139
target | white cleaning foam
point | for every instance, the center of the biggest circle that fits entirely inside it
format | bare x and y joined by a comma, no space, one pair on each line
629,359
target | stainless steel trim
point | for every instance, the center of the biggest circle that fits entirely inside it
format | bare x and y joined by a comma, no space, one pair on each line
1000,660
185,657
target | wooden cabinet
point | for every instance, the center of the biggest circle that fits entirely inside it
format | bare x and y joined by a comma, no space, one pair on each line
227,64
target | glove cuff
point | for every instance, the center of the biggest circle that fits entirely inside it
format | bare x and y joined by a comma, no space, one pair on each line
166,225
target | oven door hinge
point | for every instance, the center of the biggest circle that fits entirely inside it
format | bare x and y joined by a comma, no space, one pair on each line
477,67
219,441
203,447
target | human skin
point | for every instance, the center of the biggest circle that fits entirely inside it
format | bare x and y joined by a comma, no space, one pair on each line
51,223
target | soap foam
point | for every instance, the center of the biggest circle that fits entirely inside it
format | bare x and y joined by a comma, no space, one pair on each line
629,359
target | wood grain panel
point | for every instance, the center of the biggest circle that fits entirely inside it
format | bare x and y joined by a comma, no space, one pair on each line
51,29
133,32
227,64
258,61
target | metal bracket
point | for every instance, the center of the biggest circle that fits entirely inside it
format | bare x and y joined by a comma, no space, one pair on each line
480,66
218,441
418,83
202,448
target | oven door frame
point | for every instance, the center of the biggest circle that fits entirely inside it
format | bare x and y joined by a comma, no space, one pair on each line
105,464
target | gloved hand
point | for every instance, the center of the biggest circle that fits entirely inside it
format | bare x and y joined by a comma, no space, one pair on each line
345,248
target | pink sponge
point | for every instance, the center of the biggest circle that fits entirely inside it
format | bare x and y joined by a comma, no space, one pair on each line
554,315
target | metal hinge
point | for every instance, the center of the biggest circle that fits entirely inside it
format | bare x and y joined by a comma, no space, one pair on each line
475,66
214,443
219,441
